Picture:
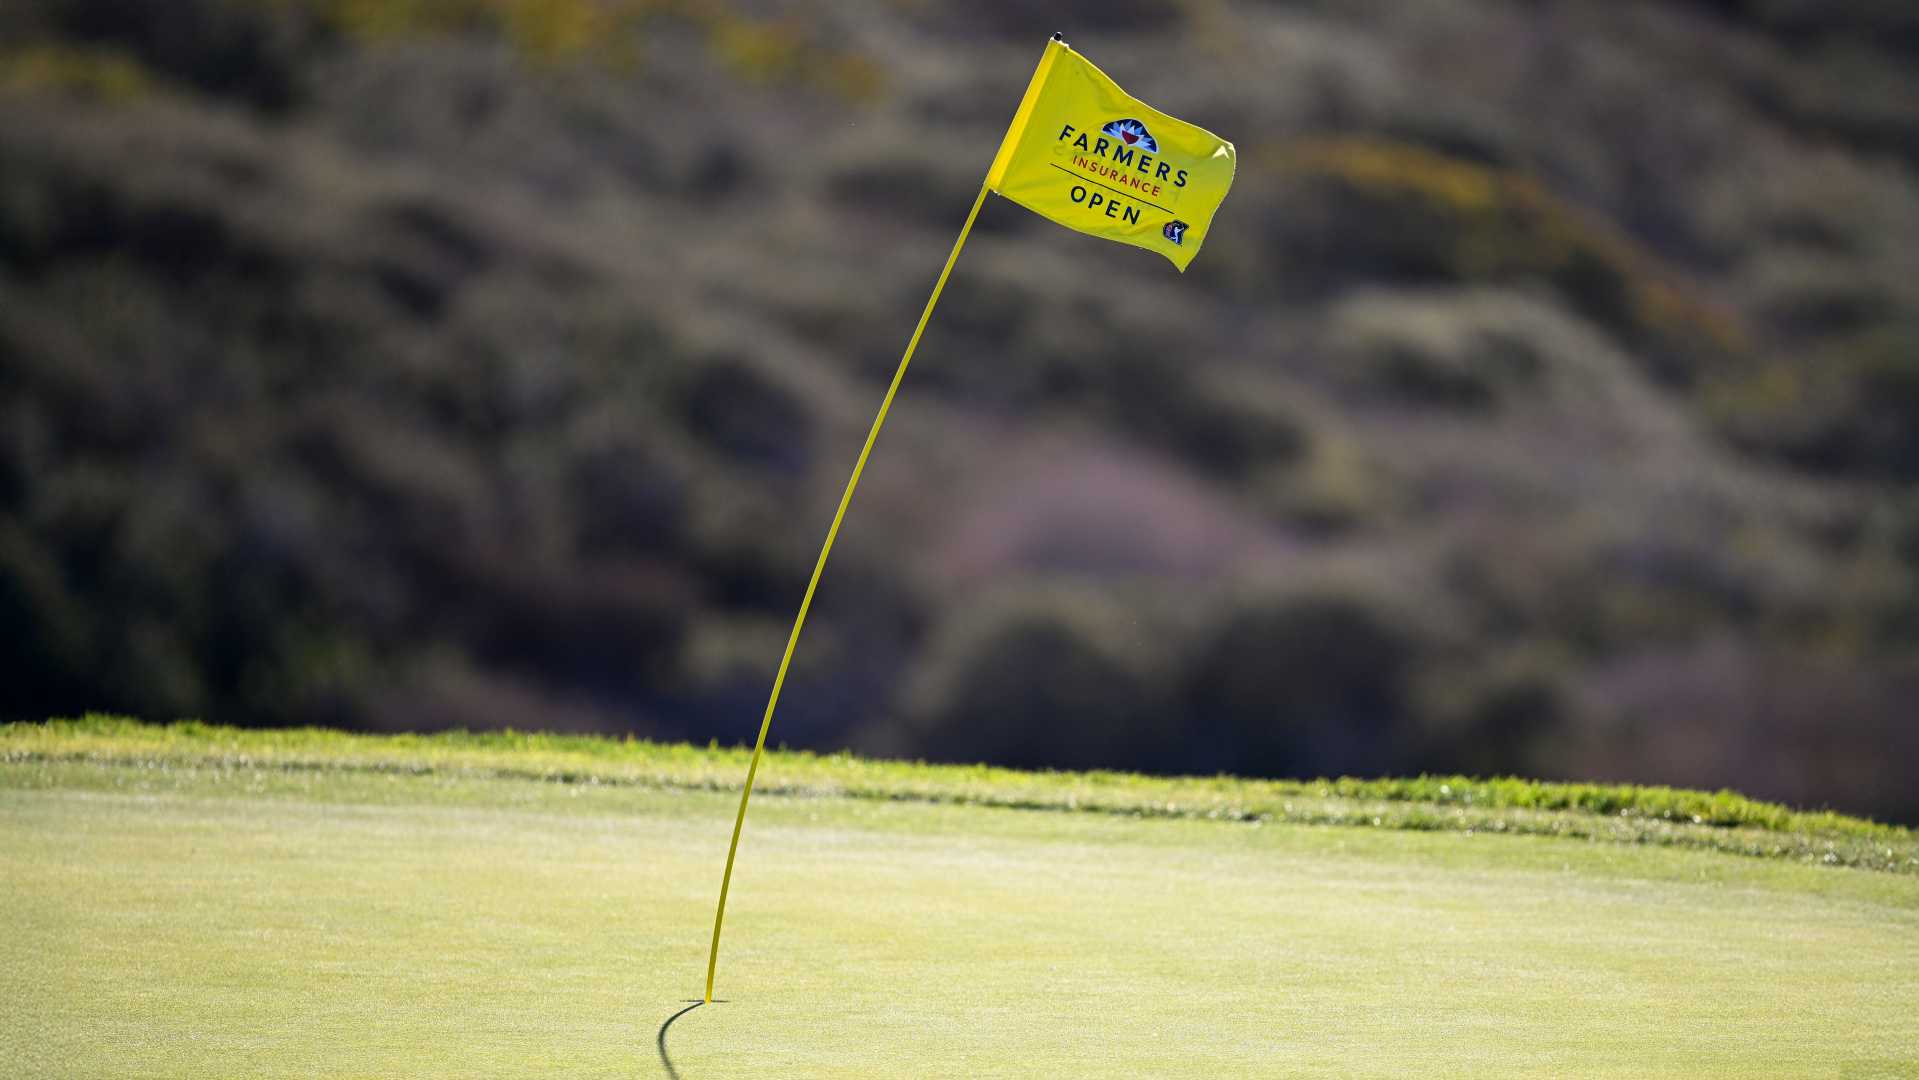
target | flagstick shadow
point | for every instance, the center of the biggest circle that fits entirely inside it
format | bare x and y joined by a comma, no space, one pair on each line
665,1060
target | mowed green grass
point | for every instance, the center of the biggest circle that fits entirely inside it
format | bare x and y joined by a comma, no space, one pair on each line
212,919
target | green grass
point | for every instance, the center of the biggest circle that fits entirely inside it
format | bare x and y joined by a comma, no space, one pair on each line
1723,821
191,901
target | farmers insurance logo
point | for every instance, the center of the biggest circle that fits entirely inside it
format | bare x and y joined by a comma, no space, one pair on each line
1132,133
1124,150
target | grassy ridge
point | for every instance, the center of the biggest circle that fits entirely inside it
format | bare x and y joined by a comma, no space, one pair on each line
1722,821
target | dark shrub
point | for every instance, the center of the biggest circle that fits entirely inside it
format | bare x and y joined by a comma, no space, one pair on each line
747,414
1054,679
924,190
231,48
1301,684
46,663
1849,408
1463,351
1495,720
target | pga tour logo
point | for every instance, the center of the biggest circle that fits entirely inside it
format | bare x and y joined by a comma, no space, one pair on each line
1175,231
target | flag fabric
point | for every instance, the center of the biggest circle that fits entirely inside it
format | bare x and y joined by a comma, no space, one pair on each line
1091,157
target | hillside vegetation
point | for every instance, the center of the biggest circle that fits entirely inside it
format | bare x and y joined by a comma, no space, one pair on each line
1547,404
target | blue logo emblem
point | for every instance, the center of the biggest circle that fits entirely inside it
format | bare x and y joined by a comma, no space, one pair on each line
1175,231
1132,133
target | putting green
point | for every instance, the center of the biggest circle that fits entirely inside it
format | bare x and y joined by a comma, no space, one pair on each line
186,921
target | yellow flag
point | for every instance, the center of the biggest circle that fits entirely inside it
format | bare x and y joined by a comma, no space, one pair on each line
1088,155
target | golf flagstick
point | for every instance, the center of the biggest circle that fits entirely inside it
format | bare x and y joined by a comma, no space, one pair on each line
832,531
1159,156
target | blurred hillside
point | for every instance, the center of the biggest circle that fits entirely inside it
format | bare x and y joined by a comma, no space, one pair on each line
1547,402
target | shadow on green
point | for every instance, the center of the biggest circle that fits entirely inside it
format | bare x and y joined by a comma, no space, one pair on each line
666,1060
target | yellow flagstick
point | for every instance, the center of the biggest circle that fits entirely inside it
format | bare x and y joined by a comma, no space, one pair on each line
1184,156
833,530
